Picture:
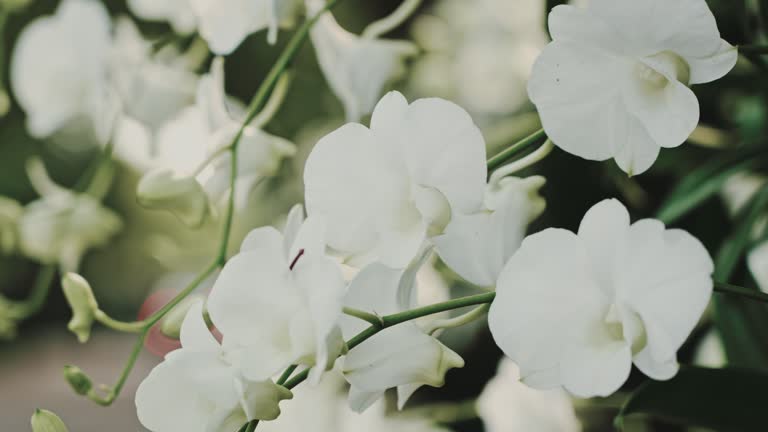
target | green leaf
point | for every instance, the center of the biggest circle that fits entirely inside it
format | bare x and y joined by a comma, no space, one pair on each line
728,400
743,325
702,183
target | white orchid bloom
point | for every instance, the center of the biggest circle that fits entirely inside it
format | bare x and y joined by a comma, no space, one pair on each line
624,67
152,87
356,67
59,67
508,405
195,389
176,12
182,196
403,356
199,133
277,302
577,310
385,190
63,224
224,24
477,245
10,212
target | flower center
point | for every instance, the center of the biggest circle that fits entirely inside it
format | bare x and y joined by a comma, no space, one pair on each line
657,70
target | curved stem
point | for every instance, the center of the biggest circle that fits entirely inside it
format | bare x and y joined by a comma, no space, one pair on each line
274,103
123,326
458,321
20,310
372,319
523,163
398,318
393,20
505,155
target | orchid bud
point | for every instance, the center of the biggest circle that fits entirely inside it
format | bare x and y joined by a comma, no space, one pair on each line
171,324
46,421
80,297
181,195
77,379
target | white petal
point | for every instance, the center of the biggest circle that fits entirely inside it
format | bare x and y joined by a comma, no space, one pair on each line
293,223
573,24
603,229
539,313
598,367
260,399
373,289
194,331
709,68
360,400
653,26
669,115
664,276
225,24
634,149
441,145
658,370
310,238
266,238
571,86
397,356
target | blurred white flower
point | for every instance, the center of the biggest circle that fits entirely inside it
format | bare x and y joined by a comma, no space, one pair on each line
710,352
577,310
403,356
477,245
479,53
387,189
226,23
277,302
375,419
507,405
200,132
151,86
181,195
195,389
356,67
63,224
59,67
10,212
624,67
177,12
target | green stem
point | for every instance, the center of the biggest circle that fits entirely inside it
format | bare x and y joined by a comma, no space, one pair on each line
458,321
21,310
753,49
126,327
515,149
372,319
287,374
252,426
398,318
726,288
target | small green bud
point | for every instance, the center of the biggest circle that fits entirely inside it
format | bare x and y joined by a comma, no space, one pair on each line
80,297
46,421
181,195
171,324
77,379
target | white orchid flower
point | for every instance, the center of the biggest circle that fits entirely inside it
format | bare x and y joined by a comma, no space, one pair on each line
182,196
624,67
177,13
59,67
277,302
506,405
195,389
224,24
199,134
477,245
356,67
385,190
403,356
576,310
63,224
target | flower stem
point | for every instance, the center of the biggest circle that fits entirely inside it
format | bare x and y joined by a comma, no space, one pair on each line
122,326
287,374
373,319
753,49
458,321
20,310
393,20
251,426
398,318
515,149
725,288
523,163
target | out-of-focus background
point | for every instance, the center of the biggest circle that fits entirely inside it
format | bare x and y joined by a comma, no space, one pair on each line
477,53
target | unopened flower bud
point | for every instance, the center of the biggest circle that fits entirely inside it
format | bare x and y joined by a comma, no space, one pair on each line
46,421
77,379
80,297
171,324
181,195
